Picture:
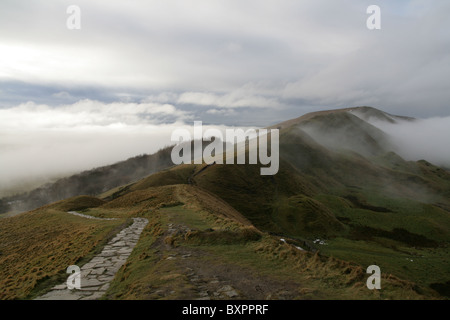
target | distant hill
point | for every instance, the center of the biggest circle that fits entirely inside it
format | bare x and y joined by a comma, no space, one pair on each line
365,113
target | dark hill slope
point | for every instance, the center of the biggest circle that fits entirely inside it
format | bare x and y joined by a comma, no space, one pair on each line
91,182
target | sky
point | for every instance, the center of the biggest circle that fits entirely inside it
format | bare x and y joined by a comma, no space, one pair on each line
73,99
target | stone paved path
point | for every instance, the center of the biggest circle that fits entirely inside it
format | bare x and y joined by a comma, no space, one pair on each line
97,274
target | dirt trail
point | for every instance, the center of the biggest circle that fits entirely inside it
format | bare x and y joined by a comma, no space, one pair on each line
219,280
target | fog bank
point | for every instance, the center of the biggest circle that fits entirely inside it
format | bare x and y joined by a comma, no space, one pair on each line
39,143
427,139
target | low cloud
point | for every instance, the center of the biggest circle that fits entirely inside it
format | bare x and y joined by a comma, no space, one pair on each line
39,141
426,139
88,113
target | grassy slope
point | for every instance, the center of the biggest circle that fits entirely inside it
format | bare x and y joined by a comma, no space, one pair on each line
401,206
379,209
58,240
37,247
149,274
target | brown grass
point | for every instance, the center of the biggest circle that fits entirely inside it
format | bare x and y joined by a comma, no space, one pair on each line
38,245
199,198
78,203
242,236
145,199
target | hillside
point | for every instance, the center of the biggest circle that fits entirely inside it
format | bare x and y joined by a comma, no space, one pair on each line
89,182
214,231
360,196
192,248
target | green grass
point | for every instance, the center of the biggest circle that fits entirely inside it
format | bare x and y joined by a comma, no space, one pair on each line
315,278
339,196
429,265
418,218
149,275
302,215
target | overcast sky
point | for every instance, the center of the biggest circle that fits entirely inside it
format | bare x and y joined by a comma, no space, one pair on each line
136,65
286,57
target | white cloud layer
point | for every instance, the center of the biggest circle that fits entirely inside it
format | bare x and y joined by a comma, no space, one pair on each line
39,140
423,139
86,113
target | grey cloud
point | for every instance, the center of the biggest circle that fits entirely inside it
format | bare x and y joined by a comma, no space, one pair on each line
318,52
